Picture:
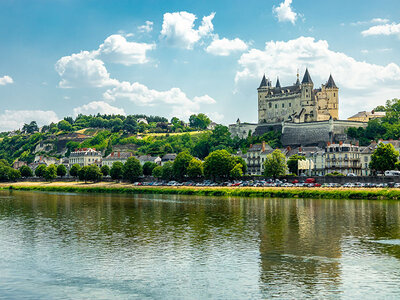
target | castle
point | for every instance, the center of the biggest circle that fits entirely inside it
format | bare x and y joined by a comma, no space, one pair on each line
303,114
299,102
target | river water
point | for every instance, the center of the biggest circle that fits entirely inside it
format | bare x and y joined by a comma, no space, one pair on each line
83,246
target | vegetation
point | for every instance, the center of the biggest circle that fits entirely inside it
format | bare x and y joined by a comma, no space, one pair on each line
74,170
148,168
275,164
61,170
50,173
384,158
40,170
293,163
105,170
7,173
132,169
117,170
25,171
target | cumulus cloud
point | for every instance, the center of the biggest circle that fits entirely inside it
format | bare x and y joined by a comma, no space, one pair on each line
96,107
362,85
87,67
284,12
173,100
117,49
6,80
225,47
15,119
178,29
147,27
386,29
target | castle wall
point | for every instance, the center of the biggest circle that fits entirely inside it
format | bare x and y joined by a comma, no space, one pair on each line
241,130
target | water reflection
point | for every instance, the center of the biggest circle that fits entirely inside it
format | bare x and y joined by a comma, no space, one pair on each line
158,246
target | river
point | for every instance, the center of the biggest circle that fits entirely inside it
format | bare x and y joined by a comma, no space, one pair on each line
86,246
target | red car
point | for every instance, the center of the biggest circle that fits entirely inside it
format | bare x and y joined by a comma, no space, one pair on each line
310,180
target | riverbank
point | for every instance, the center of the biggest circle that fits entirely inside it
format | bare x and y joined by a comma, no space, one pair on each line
276,192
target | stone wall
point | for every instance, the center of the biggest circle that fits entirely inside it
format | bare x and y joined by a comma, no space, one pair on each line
241,130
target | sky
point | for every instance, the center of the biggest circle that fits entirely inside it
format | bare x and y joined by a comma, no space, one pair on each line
175,58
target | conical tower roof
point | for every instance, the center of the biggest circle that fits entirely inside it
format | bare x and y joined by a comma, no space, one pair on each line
307,77
331,83
278,84
263,82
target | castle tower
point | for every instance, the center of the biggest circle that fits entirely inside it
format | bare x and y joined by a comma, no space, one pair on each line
263,91
307,99
332,92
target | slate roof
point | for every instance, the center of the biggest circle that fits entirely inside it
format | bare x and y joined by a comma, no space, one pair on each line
263,81
278,84
307,77
331,83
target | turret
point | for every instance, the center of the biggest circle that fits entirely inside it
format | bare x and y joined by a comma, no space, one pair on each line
332,94
263,82
278,84
307,97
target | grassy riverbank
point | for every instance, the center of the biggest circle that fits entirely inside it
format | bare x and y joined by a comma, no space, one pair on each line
124,188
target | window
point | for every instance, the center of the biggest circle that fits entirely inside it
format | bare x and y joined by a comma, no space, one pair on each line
270,105
276,105
334,94
290,104
283,105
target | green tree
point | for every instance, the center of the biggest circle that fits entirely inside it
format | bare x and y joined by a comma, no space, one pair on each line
236,172
50,173
157,172
40,170
13,175
74,170
61,169
64,125
93,173
148,167
275,164
293,163
82,173
132,169
384,158
240,160
181,164
117,170
167,171
105,170
195,168
200,121
25,171
218,164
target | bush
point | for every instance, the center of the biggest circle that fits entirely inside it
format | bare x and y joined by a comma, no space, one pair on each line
26,171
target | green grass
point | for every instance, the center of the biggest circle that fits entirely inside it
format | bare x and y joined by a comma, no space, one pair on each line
387,194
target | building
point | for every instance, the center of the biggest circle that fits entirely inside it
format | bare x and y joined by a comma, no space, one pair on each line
18,164
343,158
365,116
114,157
255,158
168,157
85,157
313,165
145,158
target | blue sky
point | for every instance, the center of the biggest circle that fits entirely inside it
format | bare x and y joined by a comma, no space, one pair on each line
175,58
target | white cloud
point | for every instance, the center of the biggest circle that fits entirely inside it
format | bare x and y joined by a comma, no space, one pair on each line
284,12
6,80
117,49
225,47
173,100
386,29
362,85
372,21
147,27
15,119
96,107
82,70
178,29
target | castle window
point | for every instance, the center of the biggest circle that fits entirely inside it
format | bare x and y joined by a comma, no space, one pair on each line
283,105
270,105
290,104
334,94
276,105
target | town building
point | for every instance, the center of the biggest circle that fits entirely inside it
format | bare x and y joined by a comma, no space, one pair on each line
365,116
145,158
169,157
343,158
255,158
114,157
85,157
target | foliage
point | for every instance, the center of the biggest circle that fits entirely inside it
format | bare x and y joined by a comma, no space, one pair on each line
157,172
237,171
82,173
30,128
335,173
200,121
384,158
61,170
218,164
195,168
40,170
64,125
50,172
7,173
242,162
293,163
181,164
93,173
25,171
13,174
132,169
167,171
105,170
74,170
117,170
148,167
275,164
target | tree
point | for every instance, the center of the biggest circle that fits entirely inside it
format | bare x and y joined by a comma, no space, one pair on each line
40,170
195,168
50,173
116,170
105,170
293,163
74,170
148,168
218,164
384,158
157,172
132,169
236,172
82,173
61,170
30,128
167,171
64,125
93,173
200,121
181,164
275,164
25,171
240,160
13,174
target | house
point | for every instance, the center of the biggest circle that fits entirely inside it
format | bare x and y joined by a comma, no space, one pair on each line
145,158
142,120
168,157
114,157
85,157
365,116
343,158
255,158
18,164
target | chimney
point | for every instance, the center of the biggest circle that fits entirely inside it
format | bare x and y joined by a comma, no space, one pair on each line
119,154
357,143
341,143
263,146
300,149
288,148
328,143
251,145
